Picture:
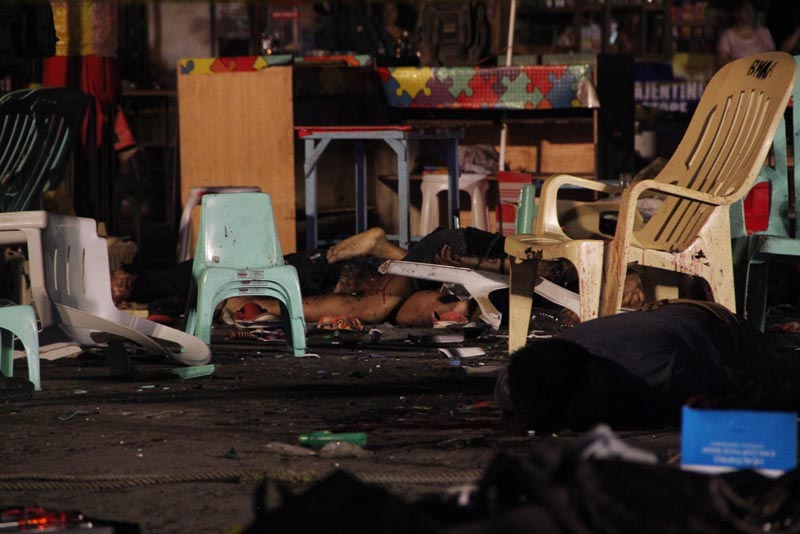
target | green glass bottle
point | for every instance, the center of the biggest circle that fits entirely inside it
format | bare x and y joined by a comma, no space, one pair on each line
318,438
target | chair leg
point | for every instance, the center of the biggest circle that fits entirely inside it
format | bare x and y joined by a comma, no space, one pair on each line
204,315
29,337
6,352
613,283
294,326
521,283
722,287
20,321
756,303
741,273
590,268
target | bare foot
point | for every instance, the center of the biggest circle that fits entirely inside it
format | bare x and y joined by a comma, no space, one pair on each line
633,296
372,241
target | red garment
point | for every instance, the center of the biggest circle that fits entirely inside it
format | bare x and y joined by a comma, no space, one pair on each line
96,76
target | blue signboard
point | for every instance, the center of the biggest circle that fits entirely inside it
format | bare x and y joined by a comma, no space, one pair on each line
724,440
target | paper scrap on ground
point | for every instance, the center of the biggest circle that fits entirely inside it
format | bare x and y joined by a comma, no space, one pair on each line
462,353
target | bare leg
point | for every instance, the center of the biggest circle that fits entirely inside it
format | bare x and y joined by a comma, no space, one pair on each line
372,308
419,308
372,241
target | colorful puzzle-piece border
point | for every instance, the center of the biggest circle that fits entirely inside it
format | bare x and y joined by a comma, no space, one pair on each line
518,87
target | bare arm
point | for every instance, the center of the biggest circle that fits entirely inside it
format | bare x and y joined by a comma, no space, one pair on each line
496,265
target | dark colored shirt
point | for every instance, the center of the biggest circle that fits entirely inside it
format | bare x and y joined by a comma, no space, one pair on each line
680,349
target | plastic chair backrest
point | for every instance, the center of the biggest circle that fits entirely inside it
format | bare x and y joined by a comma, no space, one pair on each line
78,265
237,231
724,147
38,128
79,286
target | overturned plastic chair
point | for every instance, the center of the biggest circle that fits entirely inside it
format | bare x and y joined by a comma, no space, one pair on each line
20,322
79,286
238,254
780,241
714,165
479,285
580,219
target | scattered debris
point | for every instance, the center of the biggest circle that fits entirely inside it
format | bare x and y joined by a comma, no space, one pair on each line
194,372
289,450
463,353
343,449
340,322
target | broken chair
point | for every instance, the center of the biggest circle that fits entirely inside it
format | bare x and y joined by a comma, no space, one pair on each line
79,286
714,165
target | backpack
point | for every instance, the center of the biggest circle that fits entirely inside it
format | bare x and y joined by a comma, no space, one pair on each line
452,33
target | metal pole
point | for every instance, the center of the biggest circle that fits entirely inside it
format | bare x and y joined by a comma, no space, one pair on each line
509,53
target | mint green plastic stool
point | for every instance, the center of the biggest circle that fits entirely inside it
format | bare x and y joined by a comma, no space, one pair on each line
238,254
526,209
19,321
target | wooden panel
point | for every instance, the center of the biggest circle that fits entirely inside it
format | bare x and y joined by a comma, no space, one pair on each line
521,157
569,158
236,128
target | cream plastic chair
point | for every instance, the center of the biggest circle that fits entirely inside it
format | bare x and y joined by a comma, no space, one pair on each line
79,286
715,164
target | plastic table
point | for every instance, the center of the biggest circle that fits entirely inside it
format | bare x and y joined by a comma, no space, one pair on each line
317,139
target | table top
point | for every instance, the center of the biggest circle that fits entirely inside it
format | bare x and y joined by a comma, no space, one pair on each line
514,87
385,131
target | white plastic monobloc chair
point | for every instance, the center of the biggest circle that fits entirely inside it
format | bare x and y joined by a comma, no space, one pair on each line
475,185
25,227
79,286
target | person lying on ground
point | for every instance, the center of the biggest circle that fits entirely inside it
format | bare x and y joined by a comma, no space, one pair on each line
344,279
639,368
412,302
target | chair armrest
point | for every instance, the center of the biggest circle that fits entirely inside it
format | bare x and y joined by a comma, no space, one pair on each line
547,218
637,188
629,202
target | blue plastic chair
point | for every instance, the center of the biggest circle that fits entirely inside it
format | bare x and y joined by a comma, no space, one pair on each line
753,253
238,254
19,321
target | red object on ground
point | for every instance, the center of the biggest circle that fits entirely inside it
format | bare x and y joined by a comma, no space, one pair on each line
162,319
249,311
